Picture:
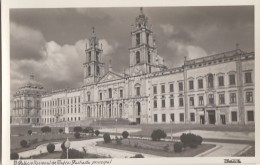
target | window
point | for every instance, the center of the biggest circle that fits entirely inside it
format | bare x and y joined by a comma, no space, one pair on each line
110,93
163,102
89,56
180,86
249,97
97,56
250,115
147,38
137,39
191,86
154,89
191,101
181,102
172,117
137,57
98,71
248,77
234,116
233,98
121,93
232,79
137,91
155,118
192,116
171,88
163,118
211,99
89,70
221,81
88,96
181,117
200,83
100,96
155,103
163,88
149,57
210,81
221,98
171,102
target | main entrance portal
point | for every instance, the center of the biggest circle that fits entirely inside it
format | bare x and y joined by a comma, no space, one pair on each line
212,117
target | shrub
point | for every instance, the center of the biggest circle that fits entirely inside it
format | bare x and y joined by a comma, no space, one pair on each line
60,130
178,146
118,140
191,140
166,148
88,130
14,156
29,132
138,156
77,135
97,132
24,143
73,154
50,148
125,134
158,134
46,129
63,146
77,129
107,138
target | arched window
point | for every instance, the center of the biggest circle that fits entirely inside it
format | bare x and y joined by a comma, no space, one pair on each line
98,71
97,56
110,92
210,80
89,70
120,110
149,57
137,56
138,108
89,56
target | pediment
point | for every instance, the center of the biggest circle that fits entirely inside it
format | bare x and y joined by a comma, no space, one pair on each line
110,76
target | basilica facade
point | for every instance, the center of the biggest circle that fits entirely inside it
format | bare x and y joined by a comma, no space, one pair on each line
216,89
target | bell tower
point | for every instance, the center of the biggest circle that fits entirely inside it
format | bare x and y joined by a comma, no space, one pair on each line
143,53
93,66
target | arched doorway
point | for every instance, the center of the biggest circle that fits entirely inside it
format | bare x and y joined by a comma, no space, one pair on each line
120,110
138,112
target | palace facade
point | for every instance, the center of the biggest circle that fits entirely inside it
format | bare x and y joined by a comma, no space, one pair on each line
216,89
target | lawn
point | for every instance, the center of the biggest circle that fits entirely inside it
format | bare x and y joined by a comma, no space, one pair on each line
158,148
249,153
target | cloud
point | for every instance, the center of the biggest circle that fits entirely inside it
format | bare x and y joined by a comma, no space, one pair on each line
184,49
167,28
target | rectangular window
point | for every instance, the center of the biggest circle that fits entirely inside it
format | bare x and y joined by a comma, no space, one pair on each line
221,81
163,103
163,88
200,83
172,117
191,86
234,116
155,103
191,101
180,86
232,79
171,88
233,98
248,77
154,89
121,93
88,97
249,97
181,102
155,118
163,118
201,100
171,102
181,117
137,39
192,116
211,99
138,91
100,96
250,115
221,98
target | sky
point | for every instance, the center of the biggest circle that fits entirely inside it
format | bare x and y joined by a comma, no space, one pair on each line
50,43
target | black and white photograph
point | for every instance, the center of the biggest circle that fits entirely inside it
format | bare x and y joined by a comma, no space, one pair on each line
132,82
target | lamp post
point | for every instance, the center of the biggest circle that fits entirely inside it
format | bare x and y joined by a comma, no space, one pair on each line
67,146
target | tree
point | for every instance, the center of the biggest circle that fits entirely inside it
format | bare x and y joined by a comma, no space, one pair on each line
14,156
178,147
97,132
46,129
158,134
24,143
107,138
77,135
29,132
